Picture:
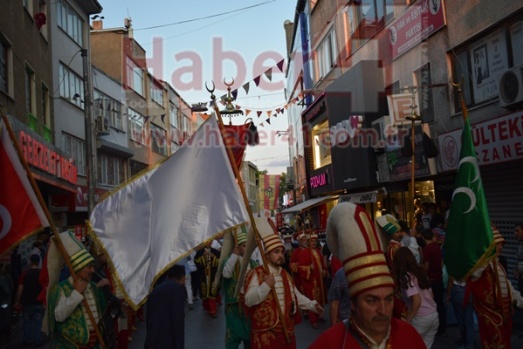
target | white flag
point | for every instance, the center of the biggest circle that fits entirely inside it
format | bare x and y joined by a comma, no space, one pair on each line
146,226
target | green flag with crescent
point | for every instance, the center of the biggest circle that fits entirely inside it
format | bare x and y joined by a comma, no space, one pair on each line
468,241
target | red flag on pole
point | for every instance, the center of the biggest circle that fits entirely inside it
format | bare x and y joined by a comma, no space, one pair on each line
20,211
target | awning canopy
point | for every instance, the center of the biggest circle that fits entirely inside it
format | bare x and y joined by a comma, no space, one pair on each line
307,205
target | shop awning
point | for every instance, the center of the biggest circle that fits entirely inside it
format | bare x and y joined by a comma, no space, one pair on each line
307,205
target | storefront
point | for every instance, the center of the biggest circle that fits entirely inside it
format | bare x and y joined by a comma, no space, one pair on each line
499,147
340,157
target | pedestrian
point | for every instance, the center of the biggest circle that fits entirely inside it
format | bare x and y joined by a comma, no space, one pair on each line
272,298
26,301
463,310
68,318
188,284
415,285
339,298
433,265
353,239
237,325
391,227
165,318
518,271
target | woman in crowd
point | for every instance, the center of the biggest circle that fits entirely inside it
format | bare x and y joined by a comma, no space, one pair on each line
415,285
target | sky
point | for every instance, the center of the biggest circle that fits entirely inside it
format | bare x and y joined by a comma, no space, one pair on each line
190,43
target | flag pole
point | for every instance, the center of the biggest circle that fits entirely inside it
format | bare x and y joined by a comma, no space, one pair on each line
50,219
236,171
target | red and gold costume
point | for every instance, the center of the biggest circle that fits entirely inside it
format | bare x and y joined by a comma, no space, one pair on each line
310,272
207,265
400,308
492,300
402,335
295,256
267,330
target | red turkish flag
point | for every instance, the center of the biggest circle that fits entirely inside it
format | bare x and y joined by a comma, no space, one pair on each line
20,211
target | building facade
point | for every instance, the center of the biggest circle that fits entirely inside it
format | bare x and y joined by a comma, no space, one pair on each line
380,54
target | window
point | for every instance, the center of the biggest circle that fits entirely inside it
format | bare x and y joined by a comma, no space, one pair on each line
71,86
108,107
134,77
70,22
28,5
326,55
30,99
46,112
75,149
4,49
111,170
321,150
136,126
158,140
174,147
481,63
173,116
365,18
157,93
426,104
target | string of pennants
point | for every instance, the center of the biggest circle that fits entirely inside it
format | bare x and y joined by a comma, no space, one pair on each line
246,89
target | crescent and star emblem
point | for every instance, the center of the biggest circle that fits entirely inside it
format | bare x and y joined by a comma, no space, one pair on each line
5,218
465,190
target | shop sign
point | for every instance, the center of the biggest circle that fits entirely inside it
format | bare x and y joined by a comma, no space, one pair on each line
316,109
420,20
359,198
319,180
42,157
496,140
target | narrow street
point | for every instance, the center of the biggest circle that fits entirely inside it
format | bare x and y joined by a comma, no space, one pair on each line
202,331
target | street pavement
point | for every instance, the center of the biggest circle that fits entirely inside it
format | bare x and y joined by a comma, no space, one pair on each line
203,331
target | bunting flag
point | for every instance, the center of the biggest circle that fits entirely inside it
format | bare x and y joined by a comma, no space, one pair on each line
146,118
257,80
269,113
268,74
261,125
247,112
259,112
234,94
160,217
268,121
20,211
468,240
246,88
280,65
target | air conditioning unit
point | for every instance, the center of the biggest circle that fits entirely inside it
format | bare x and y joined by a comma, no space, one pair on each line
510,87
102,125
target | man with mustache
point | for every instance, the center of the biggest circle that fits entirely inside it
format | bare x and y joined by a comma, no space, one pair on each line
67,315
273,299
353,239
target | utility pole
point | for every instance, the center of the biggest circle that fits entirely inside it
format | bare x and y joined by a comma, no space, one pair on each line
90,144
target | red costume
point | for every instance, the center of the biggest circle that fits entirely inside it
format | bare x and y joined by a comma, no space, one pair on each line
267,331
295,256
492,300
402,335
310,272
